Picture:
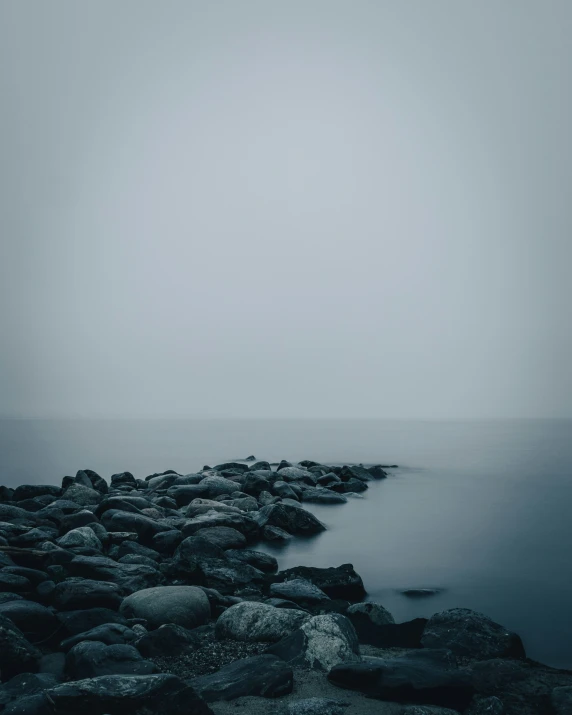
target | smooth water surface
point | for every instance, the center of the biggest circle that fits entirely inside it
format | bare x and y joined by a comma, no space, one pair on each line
480,509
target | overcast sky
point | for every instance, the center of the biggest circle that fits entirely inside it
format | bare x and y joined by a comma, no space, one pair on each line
302,208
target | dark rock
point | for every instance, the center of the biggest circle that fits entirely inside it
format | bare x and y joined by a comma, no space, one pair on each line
185,606
245,523
36,704
326,480
274,533
76,520
250,621
283,464
373,613
129,577
84,496
90,659
25,684
143,526
33,538
251,458
337,582
259,466
377,471
133,547
7,597
238,466
561,700
31,491
472,634
299,590
421,592
228,576
122,479
284,490
98,483
321,642
493,706
224,537
428,677
292,519
17,654
390,635
263,675
353,485
73,594
80,537
108,633
168,640
294,474
258,559
323,496
34,620
128,695
12,582
74,622
167,541
316,706
53,664
349,473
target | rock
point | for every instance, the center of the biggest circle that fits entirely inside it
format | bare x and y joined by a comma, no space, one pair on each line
472,634
123,479
427,710
377,471
316,706
76,520
81,537
227,576
494,706
245,523
298,590
258,559
283,489
390,635
292,519
98,483
373,613
108,633
250,621
34,620
353,485
224,537
74,622
274,533
25,684
7,597
561,700
167,541
349,473
263,675
31,491
257,466
13,583
128,695
90,659
323,496
17,654
129,577
185,606
74,594
239,466
84,496
142,525
428,677
326,480
420,592
294,474
215,486
320,643
169,640
337,582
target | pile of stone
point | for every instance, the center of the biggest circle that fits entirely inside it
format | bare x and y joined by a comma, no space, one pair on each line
149,596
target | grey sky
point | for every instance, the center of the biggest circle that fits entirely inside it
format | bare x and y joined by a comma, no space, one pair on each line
302,208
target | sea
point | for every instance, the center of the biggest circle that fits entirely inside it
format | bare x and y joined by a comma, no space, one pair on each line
478,509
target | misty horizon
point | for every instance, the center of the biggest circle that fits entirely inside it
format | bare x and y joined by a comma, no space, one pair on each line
299,210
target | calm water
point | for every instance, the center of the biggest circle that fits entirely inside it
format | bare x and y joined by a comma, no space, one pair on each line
481,509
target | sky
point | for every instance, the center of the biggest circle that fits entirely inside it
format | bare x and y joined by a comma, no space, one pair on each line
312,208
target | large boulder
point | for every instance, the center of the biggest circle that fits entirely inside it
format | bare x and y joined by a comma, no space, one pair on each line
337,582
372,613
258,622
90,659
429,677
292,519
17,654
258,559
82,495
243,522
299,590
128,695
185,606
320,643
472,634
263,675
295,474
225,537
129,577
142,525
31,491
80,538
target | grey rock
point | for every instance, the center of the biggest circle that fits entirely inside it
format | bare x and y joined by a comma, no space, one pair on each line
90,659
81,621
34,620
185,606
17,654
337,582
225,537
258,622
320,643
493,706
298,589
169,640
76,594
81,495
275,533
469,633
322,496
316,706
291,519
263,675
561,700
258,559
374,612
80,537
108,633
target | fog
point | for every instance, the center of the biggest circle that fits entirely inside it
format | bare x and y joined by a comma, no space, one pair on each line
285,209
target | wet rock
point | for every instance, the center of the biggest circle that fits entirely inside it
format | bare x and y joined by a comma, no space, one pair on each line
34,620
84,496
17,654
493,706
128,694
168,640
353,485
74,622
427,710
243,522
322,496
295,474
377,471
561,700
250,621
90,659
185,606
260,465
74,594
224,537
13,583
97,482
82,536
428,677
108,633
274,533
142,525
258,559
316,706
238,466
299,590
76,520
373,613
420,592
320,643
337,582
215,486
123,479
263,675
292,519
129,577
7,597
31,491
472,634
390,635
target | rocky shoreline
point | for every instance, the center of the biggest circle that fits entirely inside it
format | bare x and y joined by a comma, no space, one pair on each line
143,596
